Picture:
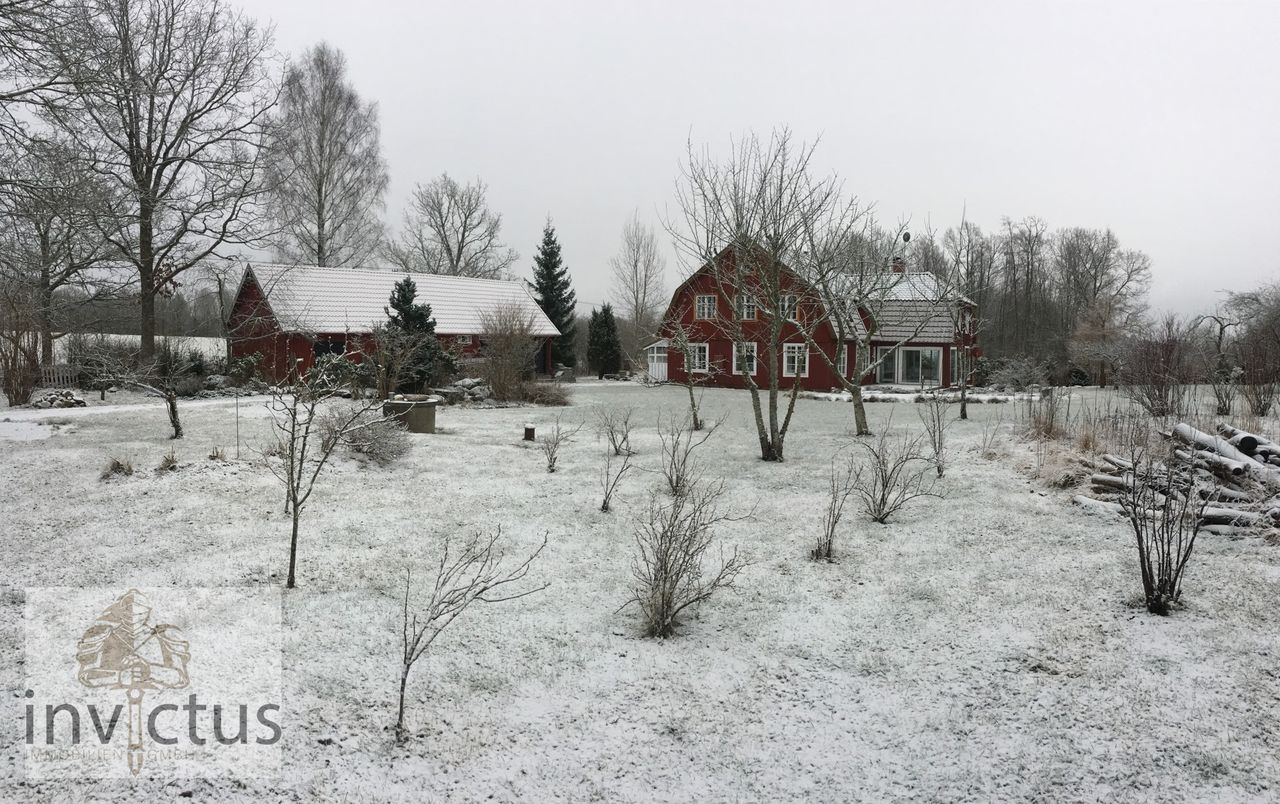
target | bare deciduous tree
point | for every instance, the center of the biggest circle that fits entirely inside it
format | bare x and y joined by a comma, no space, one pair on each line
158,377
866,292
692,380
1223,375
325,165
746,218
473,574
48,233
1158,368
302,449
637,284
1257,346
449,229
173,106
672,569
19,340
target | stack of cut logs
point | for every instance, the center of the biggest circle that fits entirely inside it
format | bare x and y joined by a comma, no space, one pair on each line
1237,476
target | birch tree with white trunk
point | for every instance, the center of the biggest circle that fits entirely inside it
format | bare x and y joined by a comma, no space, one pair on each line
637,284
325,166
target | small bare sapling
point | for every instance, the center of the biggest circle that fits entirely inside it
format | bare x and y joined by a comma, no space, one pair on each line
611,476
679,441
839,488
550,443
933,414
614,424
475,573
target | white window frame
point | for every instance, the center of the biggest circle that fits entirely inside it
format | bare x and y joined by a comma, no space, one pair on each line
787,350
464,340
755,353
697,306
921,380
788,304
694,350
744,303
891,361
842,360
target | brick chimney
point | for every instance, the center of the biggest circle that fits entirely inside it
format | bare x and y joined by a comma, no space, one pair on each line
898,265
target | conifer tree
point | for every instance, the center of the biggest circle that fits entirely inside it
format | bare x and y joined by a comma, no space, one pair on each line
604,344
411,331
554,294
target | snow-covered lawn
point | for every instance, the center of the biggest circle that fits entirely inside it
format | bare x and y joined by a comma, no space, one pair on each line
985,647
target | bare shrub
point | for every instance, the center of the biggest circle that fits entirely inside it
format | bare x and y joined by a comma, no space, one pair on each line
840,486
508,348
550,443
672,570
473,574
19,339
117,467
1048,416
1163,506
1018,374
1157,368
679,440
544,393
217,454
990,433
894,475
614,424
370,437
612,475
933,414
168,463
1259,374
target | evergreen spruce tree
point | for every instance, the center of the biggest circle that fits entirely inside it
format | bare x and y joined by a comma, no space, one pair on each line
593,343
412,326
554,294
604,344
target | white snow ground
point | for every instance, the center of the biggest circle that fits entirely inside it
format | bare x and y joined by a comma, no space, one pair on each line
986,647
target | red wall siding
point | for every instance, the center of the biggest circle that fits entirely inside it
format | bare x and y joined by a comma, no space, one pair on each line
254,330
720,347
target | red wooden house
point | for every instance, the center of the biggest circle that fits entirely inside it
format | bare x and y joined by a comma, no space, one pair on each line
918,328
290,313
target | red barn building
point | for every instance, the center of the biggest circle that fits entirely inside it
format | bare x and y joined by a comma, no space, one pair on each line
289,313
919,329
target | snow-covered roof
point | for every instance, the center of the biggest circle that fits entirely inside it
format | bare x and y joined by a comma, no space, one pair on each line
917,286
308,298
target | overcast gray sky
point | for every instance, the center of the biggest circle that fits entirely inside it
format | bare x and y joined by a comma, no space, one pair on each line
1158,119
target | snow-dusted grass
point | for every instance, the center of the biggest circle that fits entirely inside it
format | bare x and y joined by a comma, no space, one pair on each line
988,646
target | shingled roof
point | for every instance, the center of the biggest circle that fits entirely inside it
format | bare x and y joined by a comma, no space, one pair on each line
308,298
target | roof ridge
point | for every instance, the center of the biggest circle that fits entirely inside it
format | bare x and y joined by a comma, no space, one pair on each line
383,271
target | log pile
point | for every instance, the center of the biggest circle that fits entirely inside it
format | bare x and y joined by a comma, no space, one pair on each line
1234,475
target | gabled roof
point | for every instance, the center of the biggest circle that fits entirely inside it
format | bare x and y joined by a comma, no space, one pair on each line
308,298
917,286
